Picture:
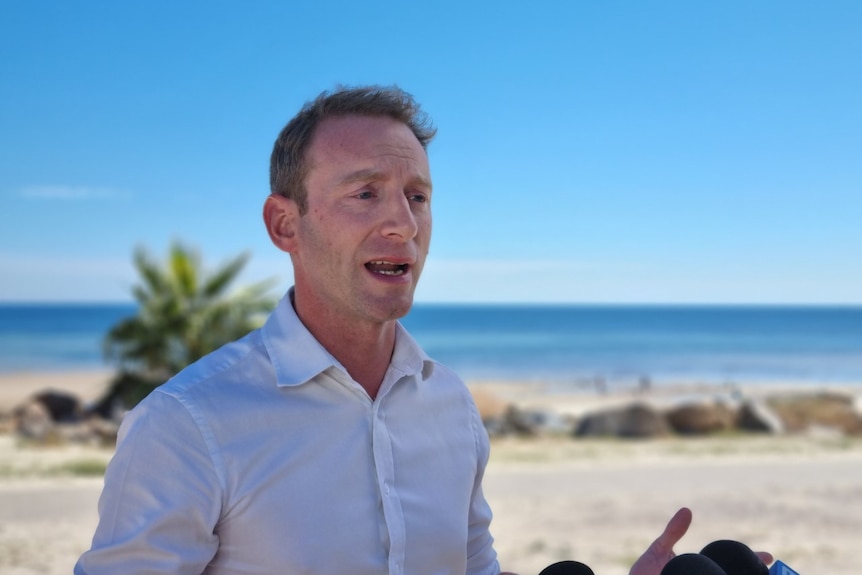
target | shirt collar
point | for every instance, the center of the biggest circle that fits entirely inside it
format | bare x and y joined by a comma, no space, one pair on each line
409,358
298,357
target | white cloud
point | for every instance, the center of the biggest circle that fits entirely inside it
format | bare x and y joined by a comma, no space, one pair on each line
51,278
71,193
91,278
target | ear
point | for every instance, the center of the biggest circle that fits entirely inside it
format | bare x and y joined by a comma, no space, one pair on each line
280,216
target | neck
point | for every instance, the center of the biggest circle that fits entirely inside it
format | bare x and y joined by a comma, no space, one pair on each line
364,350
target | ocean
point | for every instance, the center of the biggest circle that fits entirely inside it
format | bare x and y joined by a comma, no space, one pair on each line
564,344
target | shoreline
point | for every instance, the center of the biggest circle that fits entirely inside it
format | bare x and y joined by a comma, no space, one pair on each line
570,398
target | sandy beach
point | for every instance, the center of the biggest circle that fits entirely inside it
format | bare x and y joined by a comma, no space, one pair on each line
597,501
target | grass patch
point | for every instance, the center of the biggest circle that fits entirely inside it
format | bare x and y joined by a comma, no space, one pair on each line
75,468
571,450
83,468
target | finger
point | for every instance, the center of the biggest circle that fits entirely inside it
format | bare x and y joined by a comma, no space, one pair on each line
764,556
674,530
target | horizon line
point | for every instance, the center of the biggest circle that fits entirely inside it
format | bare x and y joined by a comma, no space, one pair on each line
492,303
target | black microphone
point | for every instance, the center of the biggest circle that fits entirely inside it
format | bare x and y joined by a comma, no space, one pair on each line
692,564
567,568
735,558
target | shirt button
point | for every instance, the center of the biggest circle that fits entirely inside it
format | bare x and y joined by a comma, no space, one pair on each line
386,486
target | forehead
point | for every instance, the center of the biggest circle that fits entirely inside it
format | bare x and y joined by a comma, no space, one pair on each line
365,139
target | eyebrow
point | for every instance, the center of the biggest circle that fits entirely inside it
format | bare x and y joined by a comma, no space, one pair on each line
373,174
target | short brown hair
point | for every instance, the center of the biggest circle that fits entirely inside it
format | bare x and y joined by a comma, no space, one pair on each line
288,166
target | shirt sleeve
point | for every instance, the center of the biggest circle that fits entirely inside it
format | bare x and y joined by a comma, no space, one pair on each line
162,496
481,556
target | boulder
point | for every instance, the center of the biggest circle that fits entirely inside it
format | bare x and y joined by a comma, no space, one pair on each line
58,417
800,412
758,417
103,431
701,418
490,406
63,407
513,421
520,422
7,422
634,421
33,422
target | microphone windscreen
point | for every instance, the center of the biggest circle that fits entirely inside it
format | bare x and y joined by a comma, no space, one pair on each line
692,564
735,558
567,568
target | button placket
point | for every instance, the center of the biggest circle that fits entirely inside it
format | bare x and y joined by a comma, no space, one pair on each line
393,517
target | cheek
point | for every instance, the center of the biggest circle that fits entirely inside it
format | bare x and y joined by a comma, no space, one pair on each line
321,227
316,241
425,231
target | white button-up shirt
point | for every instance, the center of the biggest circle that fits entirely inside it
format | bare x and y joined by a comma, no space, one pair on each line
266,457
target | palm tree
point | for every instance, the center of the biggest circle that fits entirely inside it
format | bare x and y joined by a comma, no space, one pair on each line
183,314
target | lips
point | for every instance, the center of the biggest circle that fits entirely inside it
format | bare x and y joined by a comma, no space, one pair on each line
387,268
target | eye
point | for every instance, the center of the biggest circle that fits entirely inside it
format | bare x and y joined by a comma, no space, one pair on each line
365,195
417,197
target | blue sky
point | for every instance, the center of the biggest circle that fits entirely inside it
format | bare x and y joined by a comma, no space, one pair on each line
590,152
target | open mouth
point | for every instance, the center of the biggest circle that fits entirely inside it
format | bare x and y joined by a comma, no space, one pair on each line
385,268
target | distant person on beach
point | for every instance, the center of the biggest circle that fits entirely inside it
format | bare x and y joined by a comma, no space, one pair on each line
327,441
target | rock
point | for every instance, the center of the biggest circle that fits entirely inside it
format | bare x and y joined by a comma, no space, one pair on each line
634,421
58,417
521,422
63,407
33,421
489,405
701,418
552,423
513,421
7,422
800,412
758,417
104,431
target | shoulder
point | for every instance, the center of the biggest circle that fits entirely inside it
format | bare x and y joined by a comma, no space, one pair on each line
445,382
241,362
442,379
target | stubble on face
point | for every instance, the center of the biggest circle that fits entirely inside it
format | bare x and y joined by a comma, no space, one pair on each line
365,180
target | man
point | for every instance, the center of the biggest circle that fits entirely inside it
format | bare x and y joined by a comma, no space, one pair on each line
327,441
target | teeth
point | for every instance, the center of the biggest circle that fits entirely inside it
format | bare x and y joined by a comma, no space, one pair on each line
386,268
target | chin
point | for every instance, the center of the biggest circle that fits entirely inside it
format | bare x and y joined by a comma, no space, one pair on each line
401,311
394,309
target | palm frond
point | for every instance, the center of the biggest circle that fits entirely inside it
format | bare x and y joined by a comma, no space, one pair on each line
183,314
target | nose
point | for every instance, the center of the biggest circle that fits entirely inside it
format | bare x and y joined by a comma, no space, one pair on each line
399,221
